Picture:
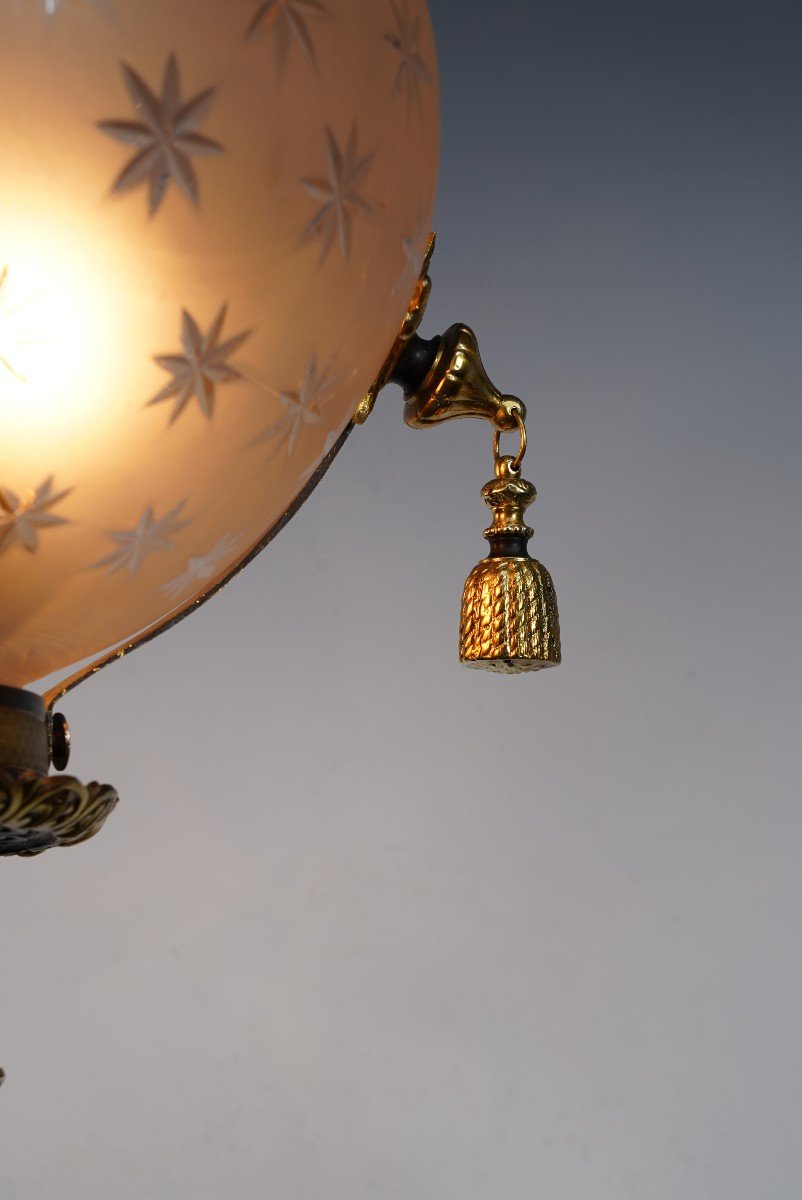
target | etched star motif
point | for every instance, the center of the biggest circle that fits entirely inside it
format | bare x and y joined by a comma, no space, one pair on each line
286,19
164,138
412,71
338,195
201,367
148,535
301,408
202,568
21,518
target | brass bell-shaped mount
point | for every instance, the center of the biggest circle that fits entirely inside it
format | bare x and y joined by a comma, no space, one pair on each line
509,620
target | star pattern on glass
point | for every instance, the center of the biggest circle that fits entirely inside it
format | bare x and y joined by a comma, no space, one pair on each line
338,195
301,409
286,19
149,535
203,365
23,517
12,337
202,568
412,72
165,138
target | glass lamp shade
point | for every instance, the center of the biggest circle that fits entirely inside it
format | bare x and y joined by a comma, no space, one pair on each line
212,219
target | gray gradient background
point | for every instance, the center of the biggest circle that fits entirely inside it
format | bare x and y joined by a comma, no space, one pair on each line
328,947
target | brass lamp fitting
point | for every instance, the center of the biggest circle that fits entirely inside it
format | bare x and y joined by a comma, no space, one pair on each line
38,810
455,385
443,377
509,621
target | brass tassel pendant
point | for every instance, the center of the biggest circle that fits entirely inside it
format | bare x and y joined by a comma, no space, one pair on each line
509,620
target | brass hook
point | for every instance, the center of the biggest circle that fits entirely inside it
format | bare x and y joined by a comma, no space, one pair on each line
515,463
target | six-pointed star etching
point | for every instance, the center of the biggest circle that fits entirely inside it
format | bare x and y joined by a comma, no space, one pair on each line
21,518
286,19
338,195
301,408
165,138
412,70
132,546
201,367
202,568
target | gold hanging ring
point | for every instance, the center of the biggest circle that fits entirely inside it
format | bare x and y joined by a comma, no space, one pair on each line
515,464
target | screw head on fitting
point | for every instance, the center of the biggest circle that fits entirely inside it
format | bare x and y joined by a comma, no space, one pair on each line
60,741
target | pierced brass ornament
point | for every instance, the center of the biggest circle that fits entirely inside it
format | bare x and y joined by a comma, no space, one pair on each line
509,621
38,812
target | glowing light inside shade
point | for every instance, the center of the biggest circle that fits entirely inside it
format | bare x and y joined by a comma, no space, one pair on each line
54,325
188,316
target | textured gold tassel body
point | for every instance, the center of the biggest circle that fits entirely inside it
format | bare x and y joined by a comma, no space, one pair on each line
509,620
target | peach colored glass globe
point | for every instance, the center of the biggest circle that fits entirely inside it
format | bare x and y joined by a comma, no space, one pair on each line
213,214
